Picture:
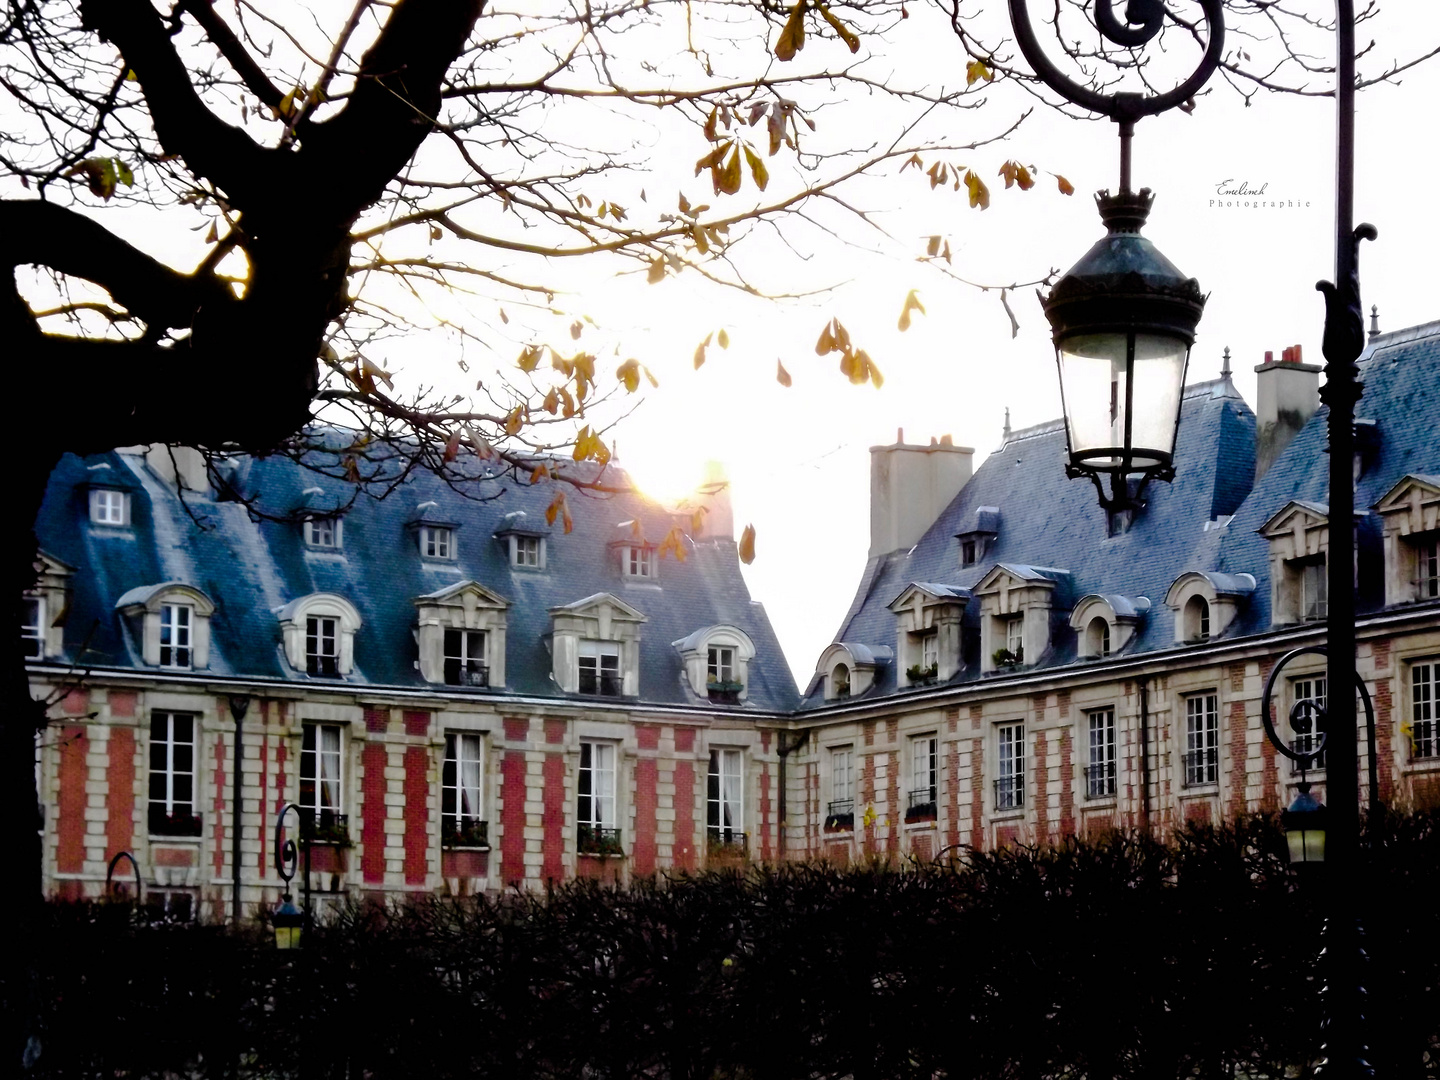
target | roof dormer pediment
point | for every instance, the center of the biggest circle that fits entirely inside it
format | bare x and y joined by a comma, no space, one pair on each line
1296,514
1005,576
927,594
460,594
1414,502
601,605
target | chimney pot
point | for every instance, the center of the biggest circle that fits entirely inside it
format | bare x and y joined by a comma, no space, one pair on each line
1269,357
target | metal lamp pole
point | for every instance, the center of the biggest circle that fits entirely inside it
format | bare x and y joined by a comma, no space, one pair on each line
1343,1047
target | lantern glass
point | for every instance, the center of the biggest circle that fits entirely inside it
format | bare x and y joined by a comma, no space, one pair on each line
288,921
1307,845
1096,376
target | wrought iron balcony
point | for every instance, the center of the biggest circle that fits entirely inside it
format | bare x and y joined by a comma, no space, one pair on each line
922,804
1304,744
177,822
466,673
726,840
326,827
1100,780
598,840
840,815
1202,766
1009,793
458,832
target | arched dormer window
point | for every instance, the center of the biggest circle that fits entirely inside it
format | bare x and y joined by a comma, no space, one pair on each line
172,623
839,681
1205,603
1107,623
848,668
717,662
319,634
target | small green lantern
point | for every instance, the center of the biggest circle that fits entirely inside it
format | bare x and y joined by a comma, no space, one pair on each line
288,921
1304,825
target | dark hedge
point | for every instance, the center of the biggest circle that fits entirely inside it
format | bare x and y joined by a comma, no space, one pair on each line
1120,957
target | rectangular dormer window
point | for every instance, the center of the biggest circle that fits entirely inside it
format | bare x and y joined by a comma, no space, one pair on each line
638,561
437,542
1314,590
1015,637
32,628
175,642
527,551
720,664
465,658
967,553
323,532
1427,564
109,507
322,646
600,668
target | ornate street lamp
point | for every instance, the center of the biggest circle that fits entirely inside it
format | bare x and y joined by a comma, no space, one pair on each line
287,920
1304,825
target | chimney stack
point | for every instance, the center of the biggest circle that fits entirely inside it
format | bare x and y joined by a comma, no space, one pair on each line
910,486
1289,393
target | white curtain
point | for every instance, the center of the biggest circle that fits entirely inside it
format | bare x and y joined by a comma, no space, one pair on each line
469,777
330,768
730,789
604,780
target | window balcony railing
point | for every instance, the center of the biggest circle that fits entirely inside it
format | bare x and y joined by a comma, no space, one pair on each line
606,684
326,827
1424,741
324,666
841,815
464,833
922,804
1427,587
1009,793
163,822
1100,781
598,840
1304,744
1202,766
466,673
722,840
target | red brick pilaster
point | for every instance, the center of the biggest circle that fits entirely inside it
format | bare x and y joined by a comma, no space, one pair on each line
221,785
1384,718
766,852
893,797
417,809
376,719
417,722
372,823
1042,786
647,774
512,816
977,792
684,857
864,807
74,745
553,845
120,788
1239,749
952,785
1067,776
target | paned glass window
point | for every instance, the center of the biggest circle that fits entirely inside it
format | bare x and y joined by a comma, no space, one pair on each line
172,775
1100,772
842,777
720,664
437,542
600,668
596,786
320,787
1202,740
461,817
723,815
175,626
107,506
638,561
525,551
930,651
465,658
1424,739
322,646
323,532
32,628
1010,767
1303,722
1314,591
1427,564
1015,636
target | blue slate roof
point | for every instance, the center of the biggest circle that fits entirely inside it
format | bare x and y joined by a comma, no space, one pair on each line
1046,521
252,568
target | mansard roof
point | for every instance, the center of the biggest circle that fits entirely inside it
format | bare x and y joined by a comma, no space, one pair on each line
253,567
1206,522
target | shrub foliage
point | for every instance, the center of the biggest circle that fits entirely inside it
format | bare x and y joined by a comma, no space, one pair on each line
1118,957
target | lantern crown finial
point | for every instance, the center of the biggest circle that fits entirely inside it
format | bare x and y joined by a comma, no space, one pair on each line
1125,212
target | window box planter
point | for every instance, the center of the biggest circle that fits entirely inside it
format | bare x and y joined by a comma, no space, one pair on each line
922,676
840,817
922,805
595,840
177,824
327,829
724,693
469,834
1005,660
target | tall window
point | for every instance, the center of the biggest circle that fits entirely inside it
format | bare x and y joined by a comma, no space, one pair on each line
1202,740
922,777
32,628
525,551
600,668
107,506
1427,565
842,782
1314,594
638,561
175,621
1303,723
1100,772
595,809
465,658
437,542
323,532
321,796
720,664
322,646
723,817
1424,739
1010,767
172,775
461,818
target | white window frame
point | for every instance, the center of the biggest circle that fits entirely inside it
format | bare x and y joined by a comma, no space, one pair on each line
595,788
924,771
177,636
437,542
166,761
597,653
322,745
720,664
1424,719
1427,567
527,552
1097,645
930,650
725,796
32,634
109,506
1200,763
1313,589
462,787
1307,688
325,533
842,775
1100,779
468,657
315,631
639,561
1010,766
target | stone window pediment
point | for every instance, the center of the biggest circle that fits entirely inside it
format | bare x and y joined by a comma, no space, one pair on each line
1205,603
590,630
1299,536
716,661
171,620
849,669
1106,623
460,632
928,625
319,631
1015,605
48,602
1410,516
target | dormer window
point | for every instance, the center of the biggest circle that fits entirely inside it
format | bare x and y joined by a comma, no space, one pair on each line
1427,562
465,658
1015,637
32,628
175,639
967,553
600,668
1015,604
1410,512
1205,603
850,668
1197,619
638,561
840,681
1098,638
717,662
109,506
1313,582
1299,538
928,621
324,532
437,542
720,664
322,646
1107,623
527,552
